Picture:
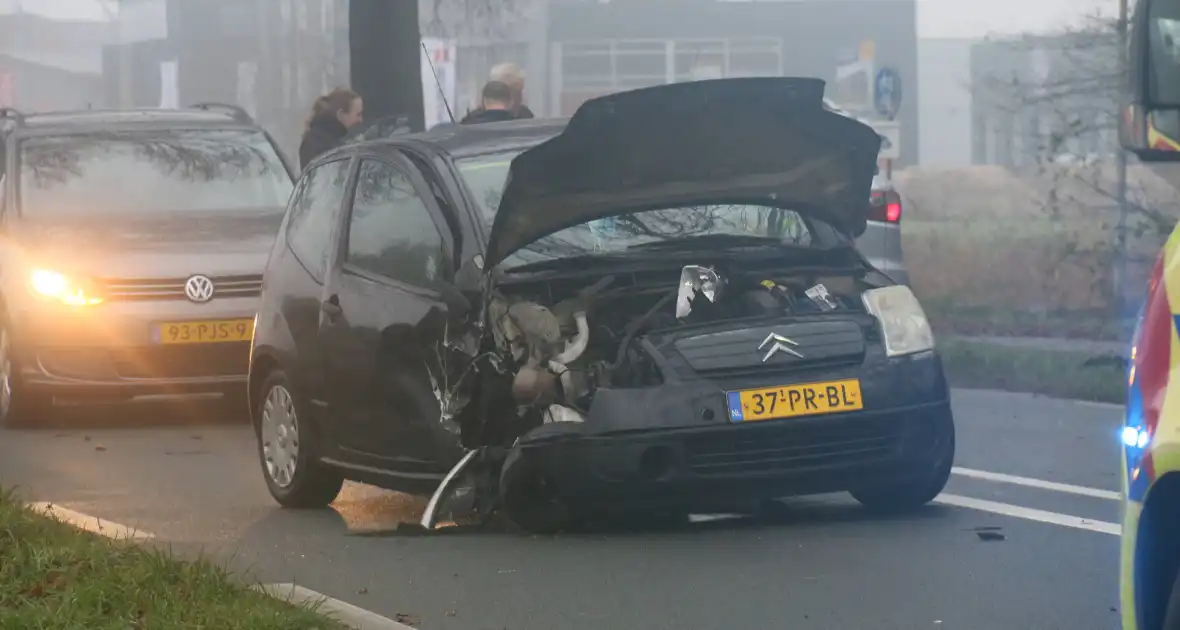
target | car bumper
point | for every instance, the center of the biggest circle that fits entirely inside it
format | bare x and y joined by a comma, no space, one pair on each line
715,466
114,350
662,444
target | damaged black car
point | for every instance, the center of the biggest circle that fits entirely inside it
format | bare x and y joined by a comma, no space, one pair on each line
655,307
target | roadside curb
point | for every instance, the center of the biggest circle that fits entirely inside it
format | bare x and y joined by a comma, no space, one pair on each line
348,614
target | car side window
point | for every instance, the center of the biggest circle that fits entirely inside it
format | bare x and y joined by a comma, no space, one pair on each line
313,215
391,232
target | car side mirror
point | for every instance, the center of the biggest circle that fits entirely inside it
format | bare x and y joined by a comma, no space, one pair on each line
1149,120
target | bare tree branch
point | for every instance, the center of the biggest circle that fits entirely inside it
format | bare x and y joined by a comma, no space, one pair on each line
483,19
1060,93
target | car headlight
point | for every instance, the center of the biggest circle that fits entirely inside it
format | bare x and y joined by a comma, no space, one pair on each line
52,285
903,322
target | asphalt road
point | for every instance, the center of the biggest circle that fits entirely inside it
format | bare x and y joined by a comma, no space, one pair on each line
1036,555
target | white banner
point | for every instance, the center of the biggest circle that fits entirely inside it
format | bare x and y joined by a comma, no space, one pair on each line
438,59
169,85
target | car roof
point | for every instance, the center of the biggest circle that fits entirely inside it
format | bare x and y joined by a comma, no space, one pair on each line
86,120
470,140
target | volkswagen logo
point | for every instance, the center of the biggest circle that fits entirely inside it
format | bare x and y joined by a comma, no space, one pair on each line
198,289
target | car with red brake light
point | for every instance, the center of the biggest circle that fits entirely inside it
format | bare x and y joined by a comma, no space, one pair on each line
881,242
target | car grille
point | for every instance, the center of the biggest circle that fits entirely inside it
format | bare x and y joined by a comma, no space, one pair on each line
822,344
218,359
793,447
173,288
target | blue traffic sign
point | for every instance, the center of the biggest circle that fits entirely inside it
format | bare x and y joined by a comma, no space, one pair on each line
887,93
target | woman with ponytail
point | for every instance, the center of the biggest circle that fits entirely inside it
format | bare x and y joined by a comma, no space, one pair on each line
332,115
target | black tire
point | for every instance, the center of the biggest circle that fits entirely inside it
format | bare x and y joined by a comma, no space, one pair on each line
917,492
26,410
22,408
527,504
312,485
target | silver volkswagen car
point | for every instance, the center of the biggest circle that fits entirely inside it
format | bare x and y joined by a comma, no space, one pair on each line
134,248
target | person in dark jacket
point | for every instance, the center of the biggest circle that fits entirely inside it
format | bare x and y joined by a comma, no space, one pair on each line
513,76
332,115
497,105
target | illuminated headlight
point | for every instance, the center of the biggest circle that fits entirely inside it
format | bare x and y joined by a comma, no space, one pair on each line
903,322
52,285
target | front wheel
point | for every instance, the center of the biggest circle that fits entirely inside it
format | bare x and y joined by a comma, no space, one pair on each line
916,492
530,506
18,406
293,476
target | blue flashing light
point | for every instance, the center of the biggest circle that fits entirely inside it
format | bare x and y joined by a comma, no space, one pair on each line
1135,438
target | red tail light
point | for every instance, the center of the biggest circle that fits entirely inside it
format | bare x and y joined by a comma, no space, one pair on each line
885,206
1151,354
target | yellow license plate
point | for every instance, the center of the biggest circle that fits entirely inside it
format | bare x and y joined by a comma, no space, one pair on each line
207,331
789,401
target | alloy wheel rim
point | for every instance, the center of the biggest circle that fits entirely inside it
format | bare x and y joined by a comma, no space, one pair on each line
280,436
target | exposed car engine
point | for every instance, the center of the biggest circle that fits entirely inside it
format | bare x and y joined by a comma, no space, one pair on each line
563,339
551,344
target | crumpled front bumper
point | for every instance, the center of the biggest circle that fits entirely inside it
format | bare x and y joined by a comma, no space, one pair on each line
675,443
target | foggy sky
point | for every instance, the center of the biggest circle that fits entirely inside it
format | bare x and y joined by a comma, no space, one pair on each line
936,18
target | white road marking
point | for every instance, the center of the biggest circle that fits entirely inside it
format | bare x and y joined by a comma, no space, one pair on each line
1029,482
1029,514
344,612
88,523
707,518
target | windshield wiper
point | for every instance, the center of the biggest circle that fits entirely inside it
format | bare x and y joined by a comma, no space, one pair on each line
717,240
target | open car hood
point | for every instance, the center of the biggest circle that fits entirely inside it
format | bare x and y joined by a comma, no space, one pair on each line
763,141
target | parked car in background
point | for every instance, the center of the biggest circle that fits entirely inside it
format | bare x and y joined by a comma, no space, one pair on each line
134,248
548,316
881,242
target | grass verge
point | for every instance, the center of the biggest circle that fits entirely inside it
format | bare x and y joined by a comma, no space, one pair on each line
1092,324
1077,375
55,577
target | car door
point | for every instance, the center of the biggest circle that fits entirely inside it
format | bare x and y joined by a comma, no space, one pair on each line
300,269
383,340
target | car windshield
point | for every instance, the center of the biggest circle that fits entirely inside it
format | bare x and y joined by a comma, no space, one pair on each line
728,225
151,172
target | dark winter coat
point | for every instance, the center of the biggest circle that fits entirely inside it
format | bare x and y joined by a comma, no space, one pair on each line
323,134
522,113
486,116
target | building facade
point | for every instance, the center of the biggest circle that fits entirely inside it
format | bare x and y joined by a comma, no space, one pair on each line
944,101
1049,98
598,47
276,56
48,64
